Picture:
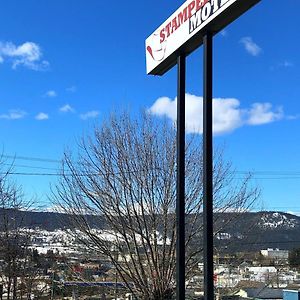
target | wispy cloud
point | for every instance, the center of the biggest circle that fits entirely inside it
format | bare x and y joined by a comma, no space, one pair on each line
71,89
250,46
228,114
293,117
42,116
263,113
14,114
28,55
66,108
284,64
89,115
50,94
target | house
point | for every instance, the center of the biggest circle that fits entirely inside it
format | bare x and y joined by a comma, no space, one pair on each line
257,273
275,253
291,295
263,293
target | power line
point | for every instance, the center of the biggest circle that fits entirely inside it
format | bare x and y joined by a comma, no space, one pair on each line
75,174
36,174
31,158
297,174
274,175
274,178
30,167
52,160
263,172
90,174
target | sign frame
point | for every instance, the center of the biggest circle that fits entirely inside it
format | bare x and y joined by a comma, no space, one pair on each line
228,11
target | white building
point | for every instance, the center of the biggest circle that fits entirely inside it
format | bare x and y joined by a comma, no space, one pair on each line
275,253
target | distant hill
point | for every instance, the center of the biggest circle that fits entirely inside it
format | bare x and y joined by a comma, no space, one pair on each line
48,220
248,231
260,230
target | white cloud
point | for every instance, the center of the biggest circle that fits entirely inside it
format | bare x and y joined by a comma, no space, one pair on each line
227,113
262,113
165,106
250,46
50,94
71,89
28,54
42,116
90,115
66,108
14,114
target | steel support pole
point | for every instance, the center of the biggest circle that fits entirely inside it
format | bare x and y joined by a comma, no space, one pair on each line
180,201
208,169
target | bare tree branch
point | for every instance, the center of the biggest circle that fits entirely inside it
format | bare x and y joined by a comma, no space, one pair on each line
125,176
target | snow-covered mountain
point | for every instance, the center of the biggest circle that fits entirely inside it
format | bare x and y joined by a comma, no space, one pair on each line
251,231
278,220
247,231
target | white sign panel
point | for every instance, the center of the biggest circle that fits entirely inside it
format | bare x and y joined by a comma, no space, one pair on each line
184,30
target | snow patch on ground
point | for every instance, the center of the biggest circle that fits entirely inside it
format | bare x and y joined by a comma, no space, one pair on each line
277,220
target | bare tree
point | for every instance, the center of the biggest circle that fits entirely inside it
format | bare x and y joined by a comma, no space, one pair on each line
125,176
14,240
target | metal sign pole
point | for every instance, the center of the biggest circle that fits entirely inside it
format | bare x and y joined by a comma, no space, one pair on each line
180,201
198,22
208,169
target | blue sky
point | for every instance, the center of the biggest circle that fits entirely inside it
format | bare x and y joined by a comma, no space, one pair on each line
66,64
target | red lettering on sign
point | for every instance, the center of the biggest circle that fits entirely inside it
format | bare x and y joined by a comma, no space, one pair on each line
182,16
162,35
200,4
174,24
191,6
168,27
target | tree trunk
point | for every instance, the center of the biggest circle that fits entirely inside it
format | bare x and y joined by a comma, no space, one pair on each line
165,295
15,288
8,288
